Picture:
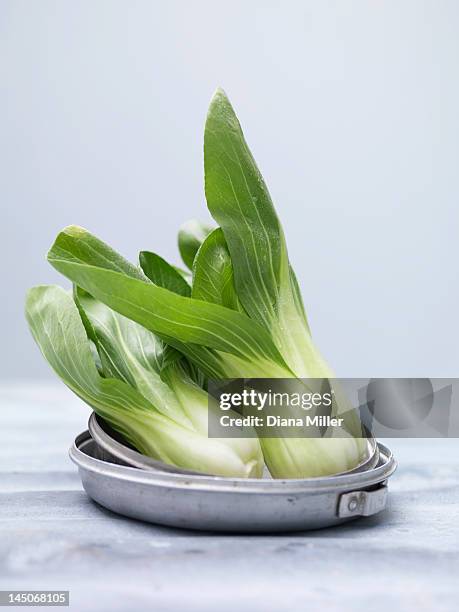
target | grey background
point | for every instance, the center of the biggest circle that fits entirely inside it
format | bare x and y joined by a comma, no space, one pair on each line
350,108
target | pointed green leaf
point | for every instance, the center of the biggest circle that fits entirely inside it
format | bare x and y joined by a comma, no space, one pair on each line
243,347
163,274
239,201
213,279
190,237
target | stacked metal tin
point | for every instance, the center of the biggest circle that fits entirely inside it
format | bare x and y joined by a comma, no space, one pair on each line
124,481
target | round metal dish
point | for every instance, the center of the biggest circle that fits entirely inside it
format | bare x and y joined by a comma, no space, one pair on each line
113,444
214,503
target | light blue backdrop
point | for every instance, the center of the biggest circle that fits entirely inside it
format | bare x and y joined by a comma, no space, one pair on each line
351,109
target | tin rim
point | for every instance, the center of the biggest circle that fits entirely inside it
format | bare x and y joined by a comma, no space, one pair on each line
103,435
372,476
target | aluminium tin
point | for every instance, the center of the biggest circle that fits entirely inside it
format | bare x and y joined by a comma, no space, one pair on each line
212,503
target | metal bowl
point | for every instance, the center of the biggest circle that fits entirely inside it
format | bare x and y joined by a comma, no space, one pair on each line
113,444
215,503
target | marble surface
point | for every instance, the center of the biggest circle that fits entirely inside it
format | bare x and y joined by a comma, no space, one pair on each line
53,537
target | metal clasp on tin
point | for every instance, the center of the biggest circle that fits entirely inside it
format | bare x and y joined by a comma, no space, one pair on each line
363,503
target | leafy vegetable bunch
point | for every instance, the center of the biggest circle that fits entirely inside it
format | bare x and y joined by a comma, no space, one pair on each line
138,343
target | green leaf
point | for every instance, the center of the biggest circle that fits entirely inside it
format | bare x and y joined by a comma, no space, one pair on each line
163,274
57,328
131,353
160,272
297,297
77,244
239,201
186,274
191,235
241,346
56,325
78,295
213,279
